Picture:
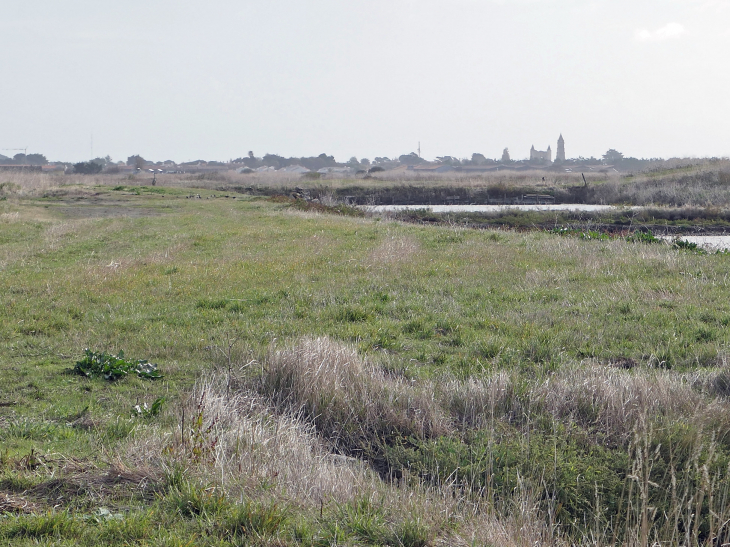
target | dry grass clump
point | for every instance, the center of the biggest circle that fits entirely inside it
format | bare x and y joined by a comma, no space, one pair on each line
238,444
715,383
604,400
29,183
317,396
394,249
611,401
8,218
354,404
521,525
476,403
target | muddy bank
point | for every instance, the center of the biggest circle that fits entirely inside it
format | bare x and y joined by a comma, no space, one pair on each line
422,195
617,222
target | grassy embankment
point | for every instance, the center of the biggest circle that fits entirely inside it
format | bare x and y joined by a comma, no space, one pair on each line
340,380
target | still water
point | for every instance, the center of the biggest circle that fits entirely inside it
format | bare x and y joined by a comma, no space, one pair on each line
492,208
711,243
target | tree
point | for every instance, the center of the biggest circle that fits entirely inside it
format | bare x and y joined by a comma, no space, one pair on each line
365,162
36,159
410,159
102,161
275,161
478,159
87,168
448,160
505,156
319,162
613,156
137,161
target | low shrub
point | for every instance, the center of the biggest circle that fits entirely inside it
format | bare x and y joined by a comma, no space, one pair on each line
113,367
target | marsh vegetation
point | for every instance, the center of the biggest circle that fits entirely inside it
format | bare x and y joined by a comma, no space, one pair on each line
334,379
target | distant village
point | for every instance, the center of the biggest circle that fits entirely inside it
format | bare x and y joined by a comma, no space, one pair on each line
324,164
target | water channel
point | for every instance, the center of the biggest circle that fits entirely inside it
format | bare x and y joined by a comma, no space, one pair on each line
494,208
708,242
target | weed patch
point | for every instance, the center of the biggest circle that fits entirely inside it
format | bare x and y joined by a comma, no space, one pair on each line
113,367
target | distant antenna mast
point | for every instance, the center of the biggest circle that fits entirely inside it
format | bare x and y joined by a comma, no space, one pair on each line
419,149
91,148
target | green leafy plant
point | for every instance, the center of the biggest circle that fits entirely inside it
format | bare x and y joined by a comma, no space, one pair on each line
687,246
112,367
643,237
148,411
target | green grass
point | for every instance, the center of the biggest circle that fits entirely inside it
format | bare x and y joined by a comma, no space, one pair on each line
186,283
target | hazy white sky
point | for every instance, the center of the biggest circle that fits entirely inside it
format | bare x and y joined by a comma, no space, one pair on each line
186,80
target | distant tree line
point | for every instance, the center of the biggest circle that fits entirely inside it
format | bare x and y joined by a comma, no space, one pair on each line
23,159
313,163
612,158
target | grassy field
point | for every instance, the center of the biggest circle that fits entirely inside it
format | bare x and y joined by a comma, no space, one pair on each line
331,379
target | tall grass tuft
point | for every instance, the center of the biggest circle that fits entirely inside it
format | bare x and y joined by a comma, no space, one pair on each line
248,449
353,404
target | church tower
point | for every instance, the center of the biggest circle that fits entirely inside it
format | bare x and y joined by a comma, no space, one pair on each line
560,155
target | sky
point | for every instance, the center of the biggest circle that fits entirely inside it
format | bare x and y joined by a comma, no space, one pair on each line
186,80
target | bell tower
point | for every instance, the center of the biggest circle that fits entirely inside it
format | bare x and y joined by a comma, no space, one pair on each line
560,155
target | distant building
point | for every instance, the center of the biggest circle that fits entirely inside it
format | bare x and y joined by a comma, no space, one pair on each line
294,169
336,171
546,156
541,156
560,155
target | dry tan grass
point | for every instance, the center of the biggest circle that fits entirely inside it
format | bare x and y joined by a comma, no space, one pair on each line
351,402
493,178
57,233
249,451
613,401
394,249
30,183
243,447
8,218
476,403
522,525
317,392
